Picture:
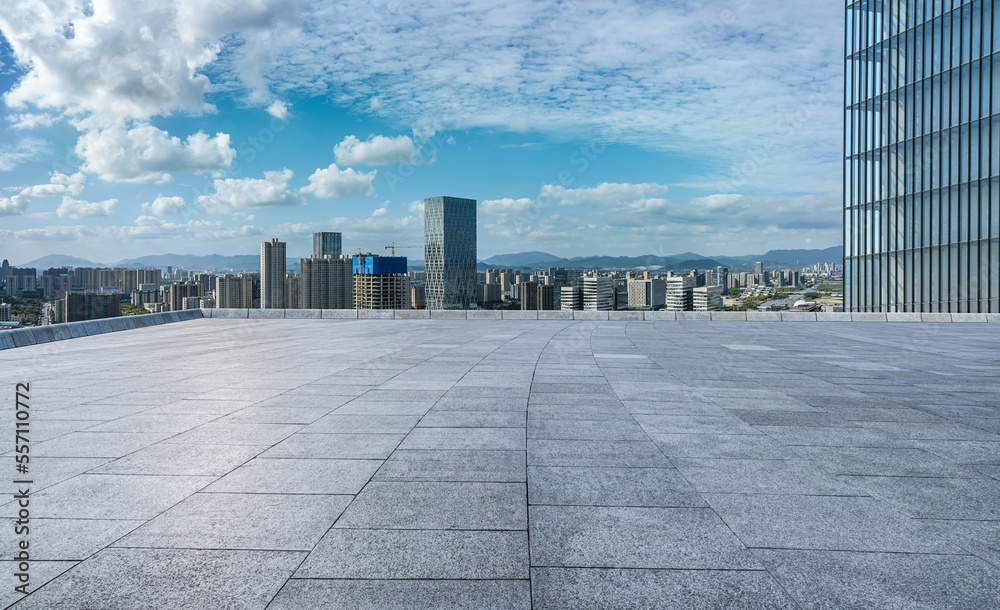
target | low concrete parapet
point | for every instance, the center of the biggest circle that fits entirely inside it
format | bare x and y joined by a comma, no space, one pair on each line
625,315
374,314
902,317
448,314
516,314
694,316
340,314
590,315
935,317
833,316
798,316
763,316
729,316
304,314
484,314
969,317
867,317
411,314
660,316
557,314
36,335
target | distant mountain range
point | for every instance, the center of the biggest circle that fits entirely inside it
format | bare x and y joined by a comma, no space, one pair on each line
522,260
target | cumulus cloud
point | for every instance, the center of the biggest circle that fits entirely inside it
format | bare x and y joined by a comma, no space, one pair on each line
335,183
59,184
166,206
129,60
278,109
13,206
250,193
77,208
376,150
147,154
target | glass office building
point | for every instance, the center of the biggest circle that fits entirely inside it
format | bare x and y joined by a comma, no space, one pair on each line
922,156
327,244
450,262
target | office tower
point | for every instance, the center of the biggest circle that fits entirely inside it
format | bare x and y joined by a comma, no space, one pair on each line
179,291
528,293
205,279
327,282
598,293
546,297
272,274
758,268
80,306
922,156
381,282
327,244
4,268
450,252
5,311
293,291
489,293
571,298
706,298
235,291
721,278
680,295
418,297
647,294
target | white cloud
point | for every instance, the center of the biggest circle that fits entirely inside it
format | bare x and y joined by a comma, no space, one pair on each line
416,207
376,150
77,208
147,154
507,206
278,109
130,60
28,149
59,184
250,193
166,206
28,120
334,183
13,206
605,195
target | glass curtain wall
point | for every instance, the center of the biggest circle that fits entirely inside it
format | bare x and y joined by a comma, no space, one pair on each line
922,156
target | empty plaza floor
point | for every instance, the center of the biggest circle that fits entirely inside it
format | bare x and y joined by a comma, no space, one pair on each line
505,464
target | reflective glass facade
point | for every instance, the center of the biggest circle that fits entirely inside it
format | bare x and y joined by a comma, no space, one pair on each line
922,156
450,250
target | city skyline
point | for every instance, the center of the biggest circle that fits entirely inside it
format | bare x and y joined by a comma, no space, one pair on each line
668,129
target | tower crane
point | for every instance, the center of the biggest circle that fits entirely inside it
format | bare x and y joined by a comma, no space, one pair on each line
394,245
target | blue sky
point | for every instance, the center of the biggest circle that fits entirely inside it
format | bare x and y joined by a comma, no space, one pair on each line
581,126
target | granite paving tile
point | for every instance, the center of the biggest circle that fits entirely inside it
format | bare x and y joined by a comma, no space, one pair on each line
669,589
664,487
629,454
168,578
465,438
861,581
377,594
629,537
425,505
453,465
936,498
297,476
418,554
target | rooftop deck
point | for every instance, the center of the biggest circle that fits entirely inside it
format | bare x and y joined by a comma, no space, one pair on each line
510,464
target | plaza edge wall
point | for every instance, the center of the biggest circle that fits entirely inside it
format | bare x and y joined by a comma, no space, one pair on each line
33,335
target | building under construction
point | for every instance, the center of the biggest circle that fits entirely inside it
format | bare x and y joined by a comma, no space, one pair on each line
380,282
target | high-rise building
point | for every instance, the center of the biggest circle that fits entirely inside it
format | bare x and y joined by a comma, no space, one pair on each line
922,156
80,306
528,293
381,282
758,268
598,293
571,298
327,282
450,252
706,298
546,297
680,292
293,291
418,297
5,310
721,278
180,291
489,293
272,274
236,291
327,244
647,294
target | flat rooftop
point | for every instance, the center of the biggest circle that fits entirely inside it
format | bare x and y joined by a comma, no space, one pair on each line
510,464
